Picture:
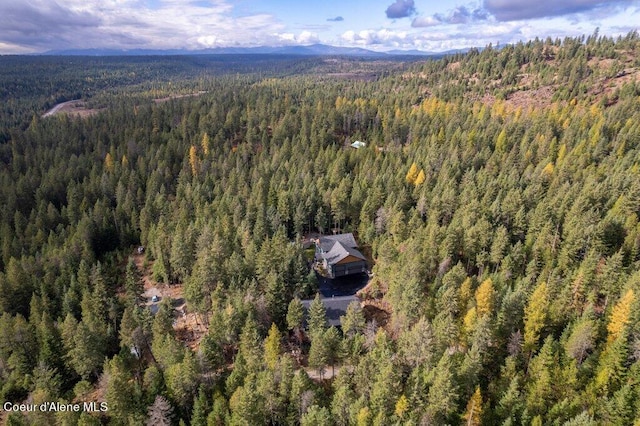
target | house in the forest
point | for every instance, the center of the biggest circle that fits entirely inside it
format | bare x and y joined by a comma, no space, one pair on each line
339,255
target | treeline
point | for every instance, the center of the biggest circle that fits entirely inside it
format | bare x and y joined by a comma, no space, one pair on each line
505,242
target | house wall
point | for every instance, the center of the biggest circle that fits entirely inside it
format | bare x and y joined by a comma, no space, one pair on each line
349,259
349,268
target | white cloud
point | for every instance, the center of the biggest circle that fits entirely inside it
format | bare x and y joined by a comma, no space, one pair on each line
435,33
304,38
425,21
379,37
40,25
307,37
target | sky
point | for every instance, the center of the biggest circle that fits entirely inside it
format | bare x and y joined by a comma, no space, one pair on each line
34,26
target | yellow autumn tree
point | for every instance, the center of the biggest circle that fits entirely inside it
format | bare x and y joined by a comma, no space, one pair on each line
501,141
193,159
205,144
412,174
620,316
548,170
485,297
363,416
420,178
401,406
469,320
474,409
562,152
535,315
108,162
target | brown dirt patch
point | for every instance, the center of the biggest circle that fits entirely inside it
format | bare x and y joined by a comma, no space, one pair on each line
352,76
534,98
76,108
171,97
453,66
375,313
601,63
189,327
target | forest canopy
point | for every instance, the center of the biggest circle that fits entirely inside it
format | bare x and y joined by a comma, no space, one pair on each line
497,195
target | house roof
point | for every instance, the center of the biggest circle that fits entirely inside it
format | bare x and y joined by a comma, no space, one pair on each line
339,251
335,306
347,240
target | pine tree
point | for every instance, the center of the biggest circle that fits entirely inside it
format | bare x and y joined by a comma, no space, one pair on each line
200,408
353,321
317,317
50,344
183,379
220,412
120,395
620,316
318,353
331,340
295,314
412,174
612,368
485,298
316,416
133,283
442,394
87,353
160,412
193,160
473,413
402,405
205,144
581,340
276,298
251,345
108,163
272,347
420,178
535,316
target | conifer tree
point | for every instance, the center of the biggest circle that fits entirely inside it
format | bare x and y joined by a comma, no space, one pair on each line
620,316
193,160
485,298
160,412
353,321
473,413
295,314
272,347
442,394
535,316
200,408
317,317
412,174
205,144
133,283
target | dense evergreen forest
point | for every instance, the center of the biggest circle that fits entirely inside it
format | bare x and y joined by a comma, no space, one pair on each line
498,195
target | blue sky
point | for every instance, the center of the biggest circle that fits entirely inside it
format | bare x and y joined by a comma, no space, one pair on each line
30,26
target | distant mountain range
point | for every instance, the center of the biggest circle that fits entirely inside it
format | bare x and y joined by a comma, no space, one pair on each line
312,50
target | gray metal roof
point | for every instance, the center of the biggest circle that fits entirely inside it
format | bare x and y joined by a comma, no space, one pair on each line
339,252
347,240
335,306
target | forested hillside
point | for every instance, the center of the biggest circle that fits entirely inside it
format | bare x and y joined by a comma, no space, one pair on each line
498,194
